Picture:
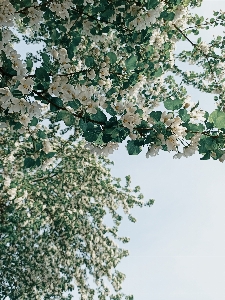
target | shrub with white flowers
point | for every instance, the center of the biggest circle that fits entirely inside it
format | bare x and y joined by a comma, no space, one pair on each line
105,67
53,234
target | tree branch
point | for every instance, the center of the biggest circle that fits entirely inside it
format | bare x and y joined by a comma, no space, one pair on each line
196,46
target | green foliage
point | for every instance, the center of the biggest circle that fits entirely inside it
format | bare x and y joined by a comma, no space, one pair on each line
34,121
168,16
75,104
99,117
29,65
156,115
48,214
218,118
66,117
131,62
183,113
133,147
112,57
89,61
91,131
29,162
151,4
42,74
173,104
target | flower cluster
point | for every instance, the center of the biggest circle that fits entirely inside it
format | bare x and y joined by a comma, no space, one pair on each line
25,109
105,151
7,12
35,16
61,8
144,19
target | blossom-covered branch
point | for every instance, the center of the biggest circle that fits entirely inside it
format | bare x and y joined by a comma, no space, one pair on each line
104,69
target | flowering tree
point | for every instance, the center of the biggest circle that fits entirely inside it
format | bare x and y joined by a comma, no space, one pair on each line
104,68
107,72
52,232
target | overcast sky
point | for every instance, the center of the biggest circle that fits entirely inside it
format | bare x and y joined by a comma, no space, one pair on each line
177,247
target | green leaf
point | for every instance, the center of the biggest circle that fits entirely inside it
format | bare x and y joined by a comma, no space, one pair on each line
160,127
38,146
194,127
186,2
168,16
99,140
60,115
76,40
55,36
107,14
152,4
56,104
34,121
99,116
110,110
131,62
66,117
173,104
82,124
149,51
156,115
29,65
93,31
133,147
206,156
207,144
50,154
17,126
91,132
41,134
38,162
112,122
105,29
159,72
112,57
218,118
185,117
29,162
209,125
106,136
42,74
111,91
45,58
75,104
206,116
125,85
89,61
133,79
53,108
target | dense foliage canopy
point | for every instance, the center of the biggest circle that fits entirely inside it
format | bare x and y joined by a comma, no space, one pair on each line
104,69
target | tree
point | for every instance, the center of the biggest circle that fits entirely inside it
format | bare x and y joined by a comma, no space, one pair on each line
52,232
104,69
106,66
